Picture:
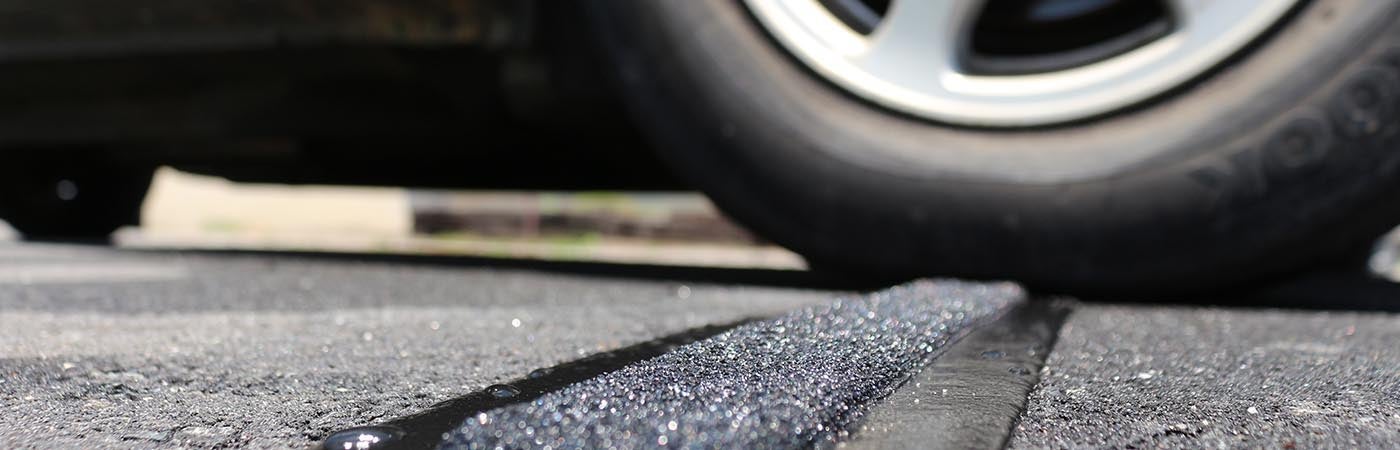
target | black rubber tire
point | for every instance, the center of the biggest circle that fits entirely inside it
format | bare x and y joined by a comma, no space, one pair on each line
1273,162
107,197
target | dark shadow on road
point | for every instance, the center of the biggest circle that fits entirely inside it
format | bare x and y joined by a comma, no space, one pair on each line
1328,289
715,275
1323,290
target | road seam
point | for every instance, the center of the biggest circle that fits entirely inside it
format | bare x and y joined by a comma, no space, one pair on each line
973,395
796,381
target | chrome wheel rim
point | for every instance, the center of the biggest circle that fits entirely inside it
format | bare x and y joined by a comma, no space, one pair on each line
916,58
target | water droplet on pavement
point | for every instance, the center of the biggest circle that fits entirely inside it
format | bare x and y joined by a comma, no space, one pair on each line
363,438
502,390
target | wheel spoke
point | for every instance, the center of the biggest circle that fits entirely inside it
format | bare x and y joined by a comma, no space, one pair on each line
934,30
912,60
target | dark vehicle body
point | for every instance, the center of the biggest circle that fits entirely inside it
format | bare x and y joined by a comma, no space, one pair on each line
434,93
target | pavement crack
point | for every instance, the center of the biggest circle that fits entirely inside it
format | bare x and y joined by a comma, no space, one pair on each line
973,394
800,380
1052,316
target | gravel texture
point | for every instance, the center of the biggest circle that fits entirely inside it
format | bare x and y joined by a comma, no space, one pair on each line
104,348
1161,377
789,382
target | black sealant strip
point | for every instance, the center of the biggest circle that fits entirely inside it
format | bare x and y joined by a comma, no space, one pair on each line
796,381
972,395
424,430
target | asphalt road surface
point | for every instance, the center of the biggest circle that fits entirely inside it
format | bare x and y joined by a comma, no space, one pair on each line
124,348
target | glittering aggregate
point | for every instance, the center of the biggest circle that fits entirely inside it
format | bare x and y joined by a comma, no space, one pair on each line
793,381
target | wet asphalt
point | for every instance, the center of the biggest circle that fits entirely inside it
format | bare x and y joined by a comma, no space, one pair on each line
108,348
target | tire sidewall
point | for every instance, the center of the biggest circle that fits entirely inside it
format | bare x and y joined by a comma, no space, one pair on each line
1194,185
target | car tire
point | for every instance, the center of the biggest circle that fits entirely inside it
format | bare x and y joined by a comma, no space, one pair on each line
49,201
1281,158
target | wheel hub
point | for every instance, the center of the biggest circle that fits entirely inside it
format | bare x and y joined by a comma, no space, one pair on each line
1006,63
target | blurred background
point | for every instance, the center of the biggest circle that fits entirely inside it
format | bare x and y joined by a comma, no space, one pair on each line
190,211
184,210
